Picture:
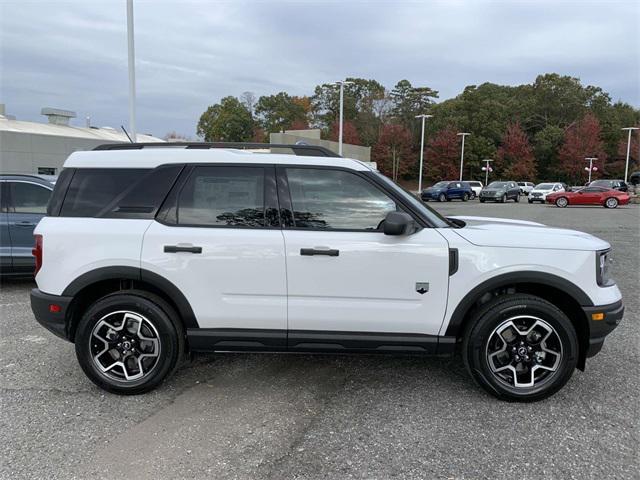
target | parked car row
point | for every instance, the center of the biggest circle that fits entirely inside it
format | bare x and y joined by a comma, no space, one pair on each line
23,202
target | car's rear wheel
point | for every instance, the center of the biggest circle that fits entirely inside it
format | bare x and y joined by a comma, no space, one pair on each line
465,197
520,348
128,343
611,202
442,197
562,202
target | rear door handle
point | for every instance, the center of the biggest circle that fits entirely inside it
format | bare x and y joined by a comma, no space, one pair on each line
319,251
25,223
182,248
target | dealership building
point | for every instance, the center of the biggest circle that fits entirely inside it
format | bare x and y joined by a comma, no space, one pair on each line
42,148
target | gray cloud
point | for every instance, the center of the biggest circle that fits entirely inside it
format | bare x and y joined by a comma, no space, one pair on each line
190,54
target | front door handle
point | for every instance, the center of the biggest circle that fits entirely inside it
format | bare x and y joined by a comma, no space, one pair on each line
182,248
319,251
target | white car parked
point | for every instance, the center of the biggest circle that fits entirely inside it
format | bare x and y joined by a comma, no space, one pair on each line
149,252
540,191
475,186
525,187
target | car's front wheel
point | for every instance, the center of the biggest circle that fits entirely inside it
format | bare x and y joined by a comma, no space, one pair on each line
128,343
520,348
442,197
562,202
465,197
517,199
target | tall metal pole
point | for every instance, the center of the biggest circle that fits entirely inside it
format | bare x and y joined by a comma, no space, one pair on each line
486,169
132,71
424,117
341,115
342,83
626,166
463,135
591,159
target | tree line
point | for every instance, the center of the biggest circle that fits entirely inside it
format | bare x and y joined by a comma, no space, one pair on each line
537,131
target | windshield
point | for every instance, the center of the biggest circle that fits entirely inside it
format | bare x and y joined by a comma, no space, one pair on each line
497,184
434,217
441,184
544,186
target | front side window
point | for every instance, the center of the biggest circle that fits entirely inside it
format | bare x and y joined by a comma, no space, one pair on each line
336,200
29,198
223,196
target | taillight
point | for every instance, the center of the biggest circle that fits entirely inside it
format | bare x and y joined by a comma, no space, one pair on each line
37,253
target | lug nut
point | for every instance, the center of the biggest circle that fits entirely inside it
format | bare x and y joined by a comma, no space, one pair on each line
526,358
517,358
529,348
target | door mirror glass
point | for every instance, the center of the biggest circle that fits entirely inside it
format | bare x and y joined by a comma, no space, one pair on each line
398,223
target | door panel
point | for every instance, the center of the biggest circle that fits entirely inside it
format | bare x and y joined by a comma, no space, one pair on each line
28,204
5,238
237,281
370,286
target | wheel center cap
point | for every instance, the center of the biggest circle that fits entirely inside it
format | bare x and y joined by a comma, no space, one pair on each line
522,351
126,345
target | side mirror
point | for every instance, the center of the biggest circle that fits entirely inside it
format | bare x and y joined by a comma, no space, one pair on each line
398,223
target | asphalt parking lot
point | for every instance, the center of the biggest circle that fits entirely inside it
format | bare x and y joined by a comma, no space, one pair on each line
298,416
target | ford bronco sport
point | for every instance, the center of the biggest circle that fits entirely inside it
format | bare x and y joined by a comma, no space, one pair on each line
149,252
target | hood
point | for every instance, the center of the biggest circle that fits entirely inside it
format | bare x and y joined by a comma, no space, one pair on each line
503,232
537,190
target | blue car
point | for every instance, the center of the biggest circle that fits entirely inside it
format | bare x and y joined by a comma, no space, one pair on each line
446,191
23,202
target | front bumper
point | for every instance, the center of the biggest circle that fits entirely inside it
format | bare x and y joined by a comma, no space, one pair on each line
611,316
51,312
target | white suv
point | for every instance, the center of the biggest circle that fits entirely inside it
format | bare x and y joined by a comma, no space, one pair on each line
149,253
540,191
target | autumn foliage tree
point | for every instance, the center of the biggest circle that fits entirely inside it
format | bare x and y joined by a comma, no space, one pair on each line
515,159
349,133
392,153
442,155
581,140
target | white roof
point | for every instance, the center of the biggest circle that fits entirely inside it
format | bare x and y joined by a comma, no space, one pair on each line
102,133
152,157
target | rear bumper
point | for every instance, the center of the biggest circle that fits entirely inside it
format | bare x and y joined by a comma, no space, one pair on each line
52,318
599,329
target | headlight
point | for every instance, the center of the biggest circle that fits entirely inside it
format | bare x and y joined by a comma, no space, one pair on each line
603,268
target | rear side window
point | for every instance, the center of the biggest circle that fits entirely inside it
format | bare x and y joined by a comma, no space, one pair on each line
92,189
223,196
29,198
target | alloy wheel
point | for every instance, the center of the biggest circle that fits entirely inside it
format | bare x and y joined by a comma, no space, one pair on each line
524,352
562,202
125,346
611,202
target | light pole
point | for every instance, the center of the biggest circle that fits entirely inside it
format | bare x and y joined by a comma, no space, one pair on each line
132,71
423,117
342,83
591,160
626,166
463,135
486,169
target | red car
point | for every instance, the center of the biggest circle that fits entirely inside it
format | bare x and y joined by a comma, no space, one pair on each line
606,197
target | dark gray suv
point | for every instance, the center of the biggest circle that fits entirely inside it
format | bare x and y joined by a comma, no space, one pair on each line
23,202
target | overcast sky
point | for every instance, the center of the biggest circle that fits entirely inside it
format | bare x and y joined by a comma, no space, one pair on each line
189,54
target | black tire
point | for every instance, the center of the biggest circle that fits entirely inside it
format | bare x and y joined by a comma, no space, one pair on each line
481,200
481,330
562,202
465,197
157,313
517,199
442,197
530,201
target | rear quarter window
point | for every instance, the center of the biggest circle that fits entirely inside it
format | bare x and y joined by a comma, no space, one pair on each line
92,189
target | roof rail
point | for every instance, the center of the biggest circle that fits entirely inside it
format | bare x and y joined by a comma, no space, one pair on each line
300,150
